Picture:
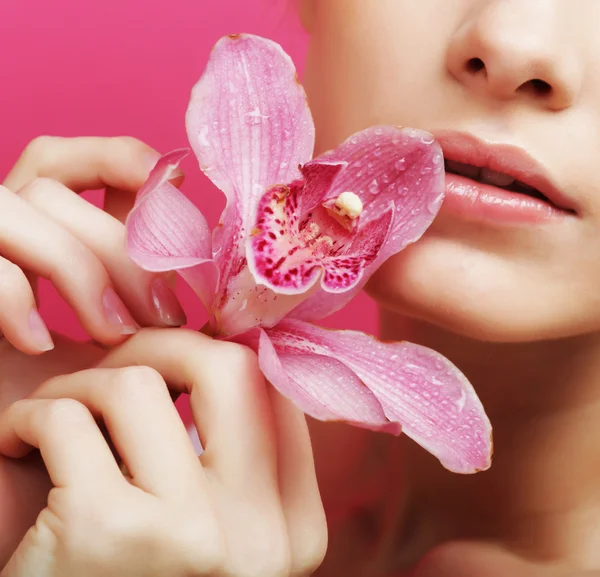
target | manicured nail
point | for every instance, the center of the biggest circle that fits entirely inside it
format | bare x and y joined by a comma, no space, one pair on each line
153,157
117,314
39,331
166,304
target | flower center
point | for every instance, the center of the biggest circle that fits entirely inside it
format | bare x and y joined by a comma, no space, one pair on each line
349,204
346,209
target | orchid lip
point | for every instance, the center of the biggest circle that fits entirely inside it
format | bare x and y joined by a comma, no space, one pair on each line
530,177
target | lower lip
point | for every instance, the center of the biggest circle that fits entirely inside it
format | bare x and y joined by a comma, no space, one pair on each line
474,200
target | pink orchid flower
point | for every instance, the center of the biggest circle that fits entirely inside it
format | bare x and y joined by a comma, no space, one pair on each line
297,240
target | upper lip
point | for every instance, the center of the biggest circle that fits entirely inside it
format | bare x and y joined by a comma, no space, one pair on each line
509,159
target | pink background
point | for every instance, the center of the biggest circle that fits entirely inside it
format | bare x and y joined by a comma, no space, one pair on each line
111,67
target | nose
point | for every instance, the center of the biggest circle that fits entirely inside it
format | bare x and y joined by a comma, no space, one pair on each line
517,49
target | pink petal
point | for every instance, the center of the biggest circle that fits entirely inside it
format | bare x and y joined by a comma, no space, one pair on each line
250,305
321,386
385,164
318,178
344,272
290,248
398,165
278,254
165,231
417,387
250,126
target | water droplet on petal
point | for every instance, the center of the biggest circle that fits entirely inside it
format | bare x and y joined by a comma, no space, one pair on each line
401,164
426,170
427,139
374,187
379,131
377,151
415,211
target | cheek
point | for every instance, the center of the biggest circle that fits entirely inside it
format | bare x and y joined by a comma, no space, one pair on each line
371,63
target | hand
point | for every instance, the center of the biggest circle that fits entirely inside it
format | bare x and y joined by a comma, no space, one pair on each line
249,506
47,231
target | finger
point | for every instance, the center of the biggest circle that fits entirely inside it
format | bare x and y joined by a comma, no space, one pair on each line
20,321
85,163
298,487
229,400
33,242
147,296
143,424
71,444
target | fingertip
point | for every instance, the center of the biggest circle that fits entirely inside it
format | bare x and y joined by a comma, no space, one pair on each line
39,332
117,315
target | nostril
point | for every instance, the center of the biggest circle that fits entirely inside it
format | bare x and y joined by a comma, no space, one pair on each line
537,87
475,65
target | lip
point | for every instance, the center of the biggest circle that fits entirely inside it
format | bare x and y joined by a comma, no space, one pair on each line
478,200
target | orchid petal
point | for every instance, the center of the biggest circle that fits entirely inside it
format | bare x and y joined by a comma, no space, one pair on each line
318,177
289,249
165,231
385,164
250,305
344,272
250,126
319,385
417,387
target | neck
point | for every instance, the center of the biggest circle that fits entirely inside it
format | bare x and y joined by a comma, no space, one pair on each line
543,400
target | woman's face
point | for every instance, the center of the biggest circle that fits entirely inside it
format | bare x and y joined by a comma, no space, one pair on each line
497,264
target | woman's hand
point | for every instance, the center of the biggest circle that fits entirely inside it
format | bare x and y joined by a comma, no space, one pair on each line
47,231
249,506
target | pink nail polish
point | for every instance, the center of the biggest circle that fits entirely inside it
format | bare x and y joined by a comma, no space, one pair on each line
166,304
39,331
117,314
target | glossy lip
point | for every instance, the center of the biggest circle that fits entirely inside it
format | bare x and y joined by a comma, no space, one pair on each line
468,149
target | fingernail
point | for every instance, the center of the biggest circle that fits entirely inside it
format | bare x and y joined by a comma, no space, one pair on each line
153,157
39,331
166,304
117,314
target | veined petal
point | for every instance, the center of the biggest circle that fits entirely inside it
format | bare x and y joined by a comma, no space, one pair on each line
250,126
385,164
165,231
319,385
417,387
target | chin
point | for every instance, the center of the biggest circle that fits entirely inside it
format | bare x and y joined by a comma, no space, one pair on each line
480,295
